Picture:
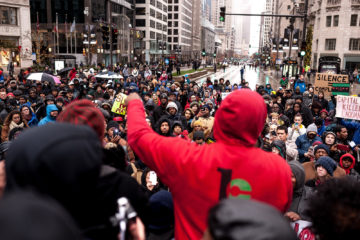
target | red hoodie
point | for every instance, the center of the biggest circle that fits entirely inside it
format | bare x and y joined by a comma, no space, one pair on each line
198,176
347,170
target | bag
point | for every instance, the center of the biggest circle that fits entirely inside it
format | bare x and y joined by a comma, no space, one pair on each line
137,173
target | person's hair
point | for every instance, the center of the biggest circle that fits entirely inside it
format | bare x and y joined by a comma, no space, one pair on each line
282,127
338,128
191,112
299,98
274,115
335,209
13,132
9,117
298,115
316,104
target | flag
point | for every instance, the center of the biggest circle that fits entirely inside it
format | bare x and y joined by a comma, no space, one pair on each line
55,29
72,28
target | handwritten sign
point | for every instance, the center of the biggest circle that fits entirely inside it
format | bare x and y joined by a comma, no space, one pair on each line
348,107
325,81
340,89
303,230
119,106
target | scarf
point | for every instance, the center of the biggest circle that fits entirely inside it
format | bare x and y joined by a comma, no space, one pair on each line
14,125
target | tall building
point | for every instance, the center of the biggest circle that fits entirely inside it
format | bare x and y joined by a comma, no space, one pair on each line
65,28
180,26
197,15
336,32
208,40
15,34
268,22
242,26
151,18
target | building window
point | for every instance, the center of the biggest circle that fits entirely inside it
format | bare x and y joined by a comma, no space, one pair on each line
140,22
8,15
153,2
176,31
152,24
152,12
176,16
176,39
353,21
140,11
140,1
164,8
330,44
354,44
176,8
152,35
170,24
336,21
169,16
169,8
328,21
176,24
169,31
169,39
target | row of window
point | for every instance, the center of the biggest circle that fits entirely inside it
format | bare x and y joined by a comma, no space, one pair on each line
354,44
176,8
334,20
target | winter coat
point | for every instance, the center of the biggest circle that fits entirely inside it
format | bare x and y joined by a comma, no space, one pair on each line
293,135
33,122
199,176
349,171
303,143
301,85
310,171
49,108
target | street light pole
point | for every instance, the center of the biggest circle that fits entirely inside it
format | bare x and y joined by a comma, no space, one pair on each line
304,30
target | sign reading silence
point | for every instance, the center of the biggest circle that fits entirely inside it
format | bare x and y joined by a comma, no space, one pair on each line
348,107
335,84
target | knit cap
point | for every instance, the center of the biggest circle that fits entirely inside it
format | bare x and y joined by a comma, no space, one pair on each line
328,163
173,105
84,112
311,128
322,146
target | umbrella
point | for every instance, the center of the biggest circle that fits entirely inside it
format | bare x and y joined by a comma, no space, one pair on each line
107,76
43,77
64,70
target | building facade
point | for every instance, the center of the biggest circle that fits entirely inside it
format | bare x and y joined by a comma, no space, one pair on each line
336,26
197,15
180,27
208,40
15,34
151,19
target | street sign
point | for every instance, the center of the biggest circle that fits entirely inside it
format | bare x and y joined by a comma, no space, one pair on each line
166,61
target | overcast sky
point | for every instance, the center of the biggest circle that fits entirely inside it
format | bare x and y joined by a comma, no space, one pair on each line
257,6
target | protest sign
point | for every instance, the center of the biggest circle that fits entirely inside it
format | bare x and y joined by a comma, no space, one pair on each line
325,81
348,107
224,95
340,89
303,230
119,106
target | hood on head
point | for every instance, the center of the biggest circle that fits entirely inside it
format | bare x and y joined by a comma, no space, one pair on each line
161,120
280,145
347,155
50,108
58,160
299,173
240,118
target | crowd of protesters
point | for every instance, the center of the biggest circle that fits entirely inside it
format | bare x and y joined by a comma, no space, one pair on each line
68,144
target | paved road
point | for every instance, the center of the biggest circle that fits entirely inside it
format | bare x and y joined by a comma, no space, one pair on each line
258,76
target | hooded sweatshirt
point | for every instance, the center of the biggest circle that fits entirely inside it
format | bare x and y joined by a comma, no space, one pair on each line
198,176
350,170
49,108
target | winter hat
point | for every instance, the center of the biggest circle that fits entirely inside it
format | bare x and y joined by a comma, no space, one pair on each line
84,112
299,173
162,211
328,163
324,111
329,132
206,106
194,103
177,123
322,146
164,95
311,128
280,145
242,219
198,122
172,105
112,124
199,134
347,155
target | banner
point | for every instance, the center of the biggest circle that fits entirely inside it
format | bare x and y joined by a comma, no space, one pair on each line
119,106
324,82
348,107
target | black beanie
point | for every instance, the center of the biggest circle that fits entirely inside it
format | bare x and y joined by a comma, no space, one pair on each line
112,124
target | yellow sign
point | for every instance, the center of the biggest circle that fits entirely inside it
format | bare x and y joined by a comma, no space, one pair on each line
119,106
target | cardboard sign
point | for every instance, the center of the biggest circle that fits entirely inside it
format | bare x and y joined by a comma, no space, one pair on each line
119,106
348,107
324,82
303,230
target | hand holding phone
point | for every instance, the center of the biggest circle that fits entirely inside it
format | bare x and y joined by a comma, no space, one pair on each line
153,178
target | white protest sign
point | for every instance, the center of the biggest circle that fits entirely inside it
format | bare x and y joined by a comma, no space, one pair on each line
303,230
348,107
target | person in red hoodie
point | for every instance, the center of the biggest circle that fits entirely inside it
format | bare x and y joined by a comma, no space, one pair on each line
200,176
347,162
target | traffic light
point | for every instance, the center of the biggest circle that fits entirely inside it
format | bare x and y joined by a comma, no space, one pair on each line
203,53
214,54
105,36
222,14
114,36
303,49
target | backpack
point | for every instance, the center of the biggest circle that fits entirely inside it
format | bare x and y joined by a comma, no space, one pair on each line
137,173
